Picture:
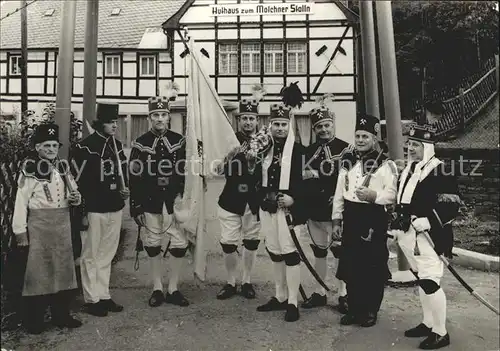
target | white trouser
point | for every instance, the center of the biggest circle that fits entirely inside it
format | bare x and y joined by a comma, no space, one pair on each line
99,245
234,227
160,227
276,233
320,232
427,263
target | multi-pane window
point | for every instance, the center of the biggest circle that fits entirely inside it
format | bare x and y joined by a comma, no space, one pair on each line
250,58
228,59
112,66
15,65
147,66
273,58
296,57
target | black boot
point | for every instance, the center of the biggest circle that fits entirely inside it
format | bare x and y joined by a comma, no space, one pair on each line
316,300
369,320
226,292
343,307
60,311
34,313
273,305
156,298
112,306
418,331
349,319
435,341
247,291
292,313
176,298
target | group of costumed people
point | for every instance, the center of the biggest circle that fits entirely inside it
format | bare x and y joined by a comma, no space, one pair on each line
274,183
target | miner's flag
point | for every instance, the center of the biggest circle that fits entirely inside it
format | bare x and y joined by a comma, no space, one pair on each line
209,140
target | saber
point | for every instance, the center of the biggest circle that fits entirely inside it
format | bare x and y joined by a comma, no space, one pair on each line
459,278
120,170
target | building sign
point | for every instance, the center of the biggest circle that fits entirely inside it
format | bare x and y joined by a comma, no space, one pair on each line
258,9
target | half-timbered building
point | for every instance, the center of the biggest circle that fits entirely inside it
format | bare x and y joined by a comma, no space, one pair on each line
273,43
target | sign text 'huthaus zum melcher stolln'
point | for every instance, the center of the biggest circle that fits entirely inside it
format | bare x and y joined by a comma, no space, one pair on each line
256,9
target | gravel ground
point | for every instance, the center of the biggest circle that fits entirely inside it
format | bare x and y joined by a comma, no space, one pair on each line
210,324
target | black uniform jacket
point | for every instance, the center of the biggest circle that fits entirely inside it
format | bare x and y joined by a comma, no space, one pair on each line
323,158
296,184
157,172
240,187
96,171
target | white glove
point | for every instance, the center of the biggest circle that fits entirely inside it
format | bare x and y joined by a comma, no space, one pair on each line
421,224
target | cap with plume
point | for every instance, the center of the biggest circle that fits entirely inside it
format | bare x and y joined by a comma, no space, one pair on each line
258,91
292,96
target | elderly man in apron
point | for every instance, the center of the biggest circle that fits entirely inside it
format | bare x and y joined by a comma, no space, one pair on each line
366,184
41,222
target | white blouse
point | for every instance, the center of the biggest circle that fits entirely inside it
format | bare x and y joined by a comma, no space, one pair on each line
39,194
383,181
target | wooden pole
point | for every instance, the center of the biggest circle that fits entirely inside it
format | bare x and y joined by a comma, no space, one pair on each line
369,59
65,76
390,91
90,65
24,58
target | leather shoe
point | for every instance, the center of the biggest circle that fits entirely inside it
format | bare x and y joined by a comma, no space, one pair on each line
176,298
349,319
97,309
292,313
112,306
247,291
435,341
316,300
273,305
226,292
156,298
369,321
67,322
418,331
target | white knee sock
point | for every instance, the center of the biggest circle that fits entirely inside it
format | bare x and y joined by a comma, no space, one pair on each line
426,308
231,261
157,271
320,267
248,262
342,288
175,272
293,282
280,280
437,302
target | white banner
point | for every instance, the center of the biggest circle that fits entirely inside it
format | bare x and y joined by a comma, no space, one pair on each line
257,9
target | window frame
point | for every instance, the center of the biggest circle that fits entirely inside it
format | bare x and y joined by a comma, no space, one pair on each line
229,55
141,72
297,54
18,58
251,53
274,53
118,65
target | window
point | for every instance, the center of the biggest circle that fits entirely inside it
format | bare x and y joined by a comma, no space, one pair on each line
250,58
296,57
148,67
112,64
273,58
228,59
15,65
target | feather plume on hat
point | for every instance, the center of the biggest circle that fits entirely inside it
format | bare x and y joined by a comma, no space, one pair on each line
292,96
258,92
171,90
322,100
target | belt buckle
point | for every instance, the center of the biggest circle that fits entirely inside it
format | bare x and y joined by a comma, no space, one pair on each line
162,181
112,186
243,188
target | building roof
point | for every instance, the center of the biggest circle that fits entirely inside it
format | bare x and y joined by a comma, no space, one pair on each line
482,133
124,30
